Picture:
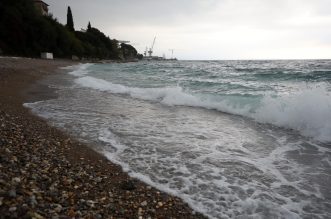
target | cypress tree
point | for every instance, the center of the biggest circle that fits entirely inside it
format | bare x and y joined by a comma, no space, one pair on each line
89,26
70,20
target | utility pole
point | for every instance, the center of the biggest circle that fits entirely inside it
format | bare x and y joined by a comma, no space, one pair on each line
172,53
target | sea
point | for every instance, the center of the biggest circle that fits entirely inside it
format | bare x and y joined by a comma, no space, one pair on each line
233,139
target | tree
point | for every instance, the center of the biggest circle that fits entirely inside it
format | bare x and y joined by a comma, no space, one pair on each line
89,26
24,32
128,51
70,20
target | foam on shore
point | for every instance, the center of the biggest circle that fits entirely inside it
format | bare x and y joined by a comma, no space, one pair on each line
307,111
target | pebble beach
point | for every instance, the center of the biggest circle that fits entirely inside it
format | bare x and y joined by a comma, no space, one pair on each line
45,173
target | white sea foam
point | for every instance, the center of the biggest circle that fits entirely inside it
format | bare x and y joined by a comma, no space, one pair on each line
308,111
78,70
187,178
223,166
220,167
166,95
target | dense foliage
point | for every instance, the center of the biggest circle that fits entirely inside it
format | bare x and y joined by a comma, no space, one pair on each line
129,52
96,44
25,32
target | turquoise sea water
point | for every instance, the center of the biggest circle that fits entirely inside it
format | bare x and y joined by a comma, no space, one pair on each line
234,139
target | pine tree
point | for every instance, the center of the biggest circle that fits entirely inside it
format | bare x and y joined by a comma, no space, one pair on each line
89,26
70,21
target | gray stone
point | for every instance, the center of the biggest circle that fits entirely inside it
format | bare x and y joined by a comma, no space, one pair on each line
12,193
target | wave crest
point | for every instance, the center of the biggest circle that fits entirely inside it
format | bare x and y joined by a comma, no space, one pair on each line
308,111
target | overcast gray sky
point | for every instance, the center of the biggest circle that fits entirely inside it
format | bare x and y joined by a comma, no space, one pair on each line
211,29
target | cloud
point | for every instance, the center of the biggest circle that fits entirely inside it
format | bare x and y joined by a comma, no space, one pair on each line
212,29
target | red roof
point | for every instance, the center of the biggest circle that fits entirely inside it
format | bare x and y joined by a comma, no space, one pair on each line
41,2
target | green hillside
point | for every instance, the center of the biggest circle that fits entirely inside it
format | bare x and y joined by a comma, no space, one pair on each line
25,32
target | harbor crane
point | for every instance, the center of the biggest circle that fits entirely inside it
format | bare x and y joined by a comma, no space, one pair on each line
172,53
150,51
146,51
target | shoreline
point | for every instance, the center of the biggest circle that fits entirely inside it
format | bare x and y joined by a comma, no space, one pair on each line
45,173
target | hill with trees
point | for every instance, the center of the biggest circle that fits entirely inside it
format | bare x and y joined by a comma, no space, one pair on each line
25,32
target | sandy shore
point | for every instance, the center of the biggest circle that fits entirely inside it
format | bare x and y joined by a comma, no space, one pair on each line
46,174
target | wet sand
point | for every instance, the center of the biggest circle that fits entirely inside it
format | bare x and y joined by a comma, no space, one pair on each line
44,173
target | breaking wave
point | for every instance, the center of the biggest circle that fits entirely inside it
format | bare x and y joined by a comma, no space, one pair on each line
307,111
78,70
